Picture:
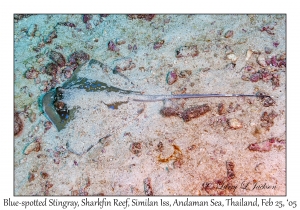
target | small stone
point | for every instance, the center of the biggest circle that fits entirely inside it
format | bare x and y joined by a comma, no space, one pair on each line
279,16
172,77
261,60
264,146
32,74
52,35
228,34
89,26
37,34
194,112
123,64
268,119
79,57
74,193
160,146
56,161
68,71
32,29
178,163
185,73
281,57
87,17
134,48
242,40
187,51
147,17
51,69
221,109
268,50
44,175
249,53
232,57
255,77
234,123
32,116
120,41
68,24
18,124
57,58
230,169
205,69
112,46
245,78
30,177
170,111
275,44
158,44
265,75
266,100
136,148
147,187
47,125
34,146
192,147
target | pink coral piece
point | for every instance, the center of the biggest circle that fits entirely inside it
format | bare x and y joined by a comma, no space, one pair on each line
112,46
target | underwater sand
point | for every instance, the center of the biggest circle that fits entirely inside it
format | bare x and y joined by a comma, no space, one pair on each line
190,153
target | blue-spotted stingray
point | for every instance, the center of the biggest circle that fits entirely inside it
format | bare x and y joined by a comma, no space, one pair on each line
61,116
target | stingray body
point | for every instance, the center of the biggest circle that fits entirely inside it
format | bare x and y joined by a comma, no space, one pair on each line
61,117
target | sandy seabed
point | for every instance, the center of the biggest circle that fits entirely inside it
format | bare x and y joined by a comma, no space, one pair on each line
236,148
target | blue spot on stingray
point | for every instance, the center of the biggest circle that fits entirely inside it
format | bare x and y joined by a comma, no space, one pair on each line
111,107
